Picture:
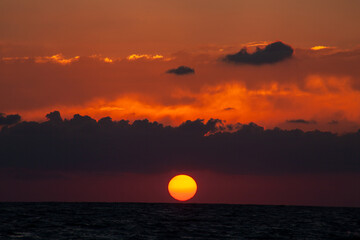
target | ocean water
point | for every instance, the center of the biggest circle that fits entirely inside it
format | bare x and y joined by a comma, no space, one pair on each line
175,221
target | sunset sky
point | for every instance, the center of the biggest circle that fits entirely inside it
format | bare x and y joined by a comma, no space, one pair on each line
274,65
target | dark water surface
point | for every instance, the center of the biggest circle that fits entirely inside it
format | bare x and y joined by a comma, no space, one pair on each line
175,221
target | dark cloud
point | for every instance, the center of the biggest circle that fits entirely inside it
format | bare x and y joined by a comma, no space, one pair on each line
54,116
9,119
229,109
272,53
333,122
303,121
182,70
84,144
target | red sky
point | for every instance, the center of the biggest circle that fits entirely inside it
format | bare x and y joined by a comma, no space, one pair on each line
80,51
320,190
319,86
109,58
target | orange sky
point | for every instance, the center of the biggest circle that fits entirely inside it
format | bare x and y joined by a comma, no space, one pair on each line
319,86
81,60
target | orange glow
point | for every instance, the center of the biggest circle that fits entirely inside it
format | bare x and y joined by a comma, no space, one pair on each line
57,58
216,91
103,59
14,58
144,56
108,60
256,44
315,48
133,57
321,99
182,187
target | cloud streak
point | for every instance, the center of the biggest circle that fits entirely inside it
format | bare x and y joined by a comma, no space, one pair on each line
302,121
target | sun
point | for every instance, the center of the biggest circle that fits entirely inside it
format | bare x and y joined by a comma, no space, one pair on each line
182,187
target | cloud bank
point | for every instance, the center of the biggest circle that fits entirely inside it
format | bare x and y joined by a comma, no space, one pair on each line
84,144
9,119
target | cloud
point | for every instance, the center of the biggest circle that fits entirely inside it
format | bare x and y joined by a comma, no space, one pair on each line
272,53
320,47
9,119
57,58
133,57
301,121
54,116
84,144
182,70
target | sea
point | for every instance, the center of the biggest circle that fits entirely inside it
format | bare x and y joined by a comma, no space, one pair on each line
175,221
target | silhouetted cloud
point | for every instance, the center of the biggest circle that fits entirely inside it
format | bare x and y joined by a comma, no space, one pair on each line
182,70
272,53
84,144
333,122
301,121
54,116
9,119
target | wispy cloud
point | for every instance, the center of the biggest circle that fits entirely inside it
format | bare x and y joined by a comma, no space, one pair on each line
133,57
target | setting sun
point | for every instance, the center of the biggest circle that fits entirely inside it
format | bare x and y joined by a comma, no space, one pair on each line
182,187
